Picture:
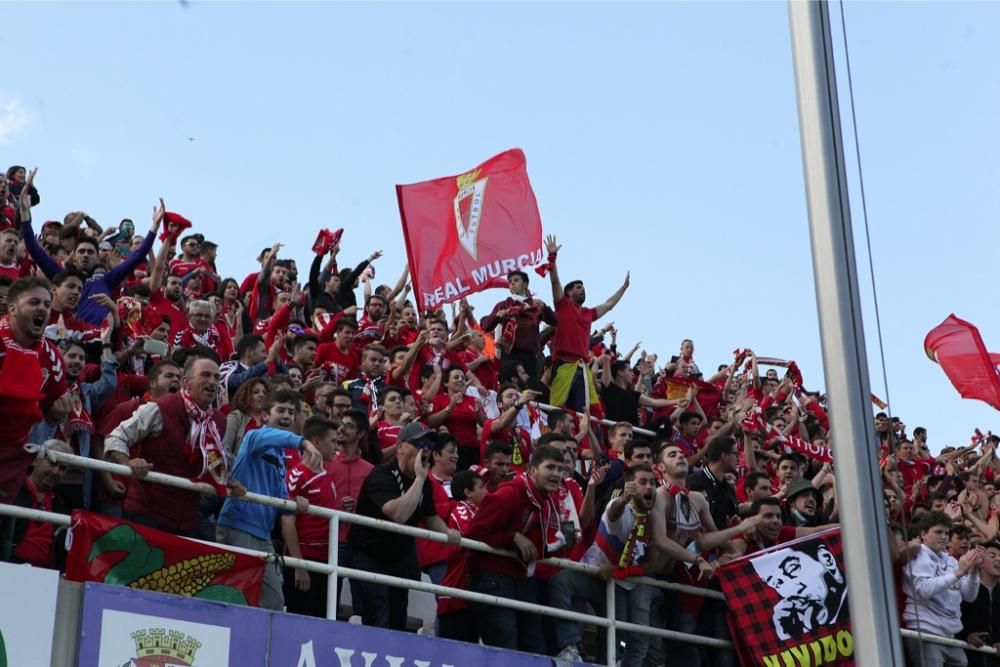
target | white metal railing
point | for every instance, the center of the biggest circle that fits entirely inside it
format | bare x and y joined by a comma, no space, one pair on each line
333,569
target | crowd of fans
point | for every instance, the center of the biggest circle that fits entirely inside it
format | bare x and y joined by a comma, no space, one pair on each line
281,384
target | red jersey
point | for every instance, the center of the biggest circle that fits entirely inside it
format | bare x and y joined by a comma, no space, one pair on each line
914,470
319,489
388,435
164,306
337,366
455,576
348,475
485,372
84,330
12,271
572,338
462,421
428,356
31,380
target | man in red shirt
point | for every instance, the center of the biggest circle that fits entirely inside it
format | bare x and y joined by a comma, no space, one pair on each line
520,315
34,541
338,359
306,535
520,515
190,258
571,343
32,378
167,301
504,428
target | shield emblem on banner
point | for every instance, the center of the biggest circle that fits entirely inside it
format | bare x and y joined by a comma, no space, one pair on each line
469,209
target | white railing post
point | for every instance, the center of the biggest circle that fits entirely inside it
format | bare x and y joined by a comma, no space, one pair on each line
612,642
333,559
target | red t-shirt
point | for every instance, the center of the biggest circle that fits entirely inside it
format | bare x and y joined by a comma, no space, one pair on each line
485,372
15,416
461,516
914,470
164,306
338,366
318,488
13,271
388,434
462,421
572,338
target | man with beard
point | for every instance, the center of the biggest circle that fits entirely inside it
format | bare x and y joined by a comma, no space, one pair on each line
520,314
167,292
572,381
366,388
348,470
84,258
621,549
178,434
32,378
501,523
683,528
34,542
163,378
397,491
935,584
260,468
78,429
802,505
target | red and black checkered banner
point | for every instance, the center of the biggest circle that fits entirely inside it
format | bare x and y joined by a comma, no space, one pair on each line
788,604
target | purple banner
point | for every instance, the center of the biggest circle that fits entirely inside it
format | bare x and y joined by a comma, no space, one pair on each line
122,626
311,642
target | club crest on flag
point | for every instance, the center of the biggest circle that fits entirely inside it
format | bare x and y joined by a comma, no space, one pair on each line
469,209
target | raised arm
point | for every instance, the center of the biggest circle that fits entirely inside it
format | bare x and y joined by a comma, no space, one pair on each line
553,249
613,300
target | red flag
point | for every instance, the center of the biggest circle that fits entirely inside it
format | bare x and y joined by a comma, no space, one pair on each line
957,347
465,232
118,552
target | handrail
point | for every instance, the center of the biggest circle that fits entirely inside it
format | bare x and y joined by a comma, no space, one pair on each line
604,422
333,569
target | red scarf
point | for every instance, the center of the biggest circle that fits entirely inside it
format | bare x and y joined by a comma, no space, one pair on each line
79,419
204,441
548,515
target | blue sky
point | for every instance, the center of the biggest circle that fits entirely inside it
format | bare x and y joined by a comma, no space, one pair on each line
661,139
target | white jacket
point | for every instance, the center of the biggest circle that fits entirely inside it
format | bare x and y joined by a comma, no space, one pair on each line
934,594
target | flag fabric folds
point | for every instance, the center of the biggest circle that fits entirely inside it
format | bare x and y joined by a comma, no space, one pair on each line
111,551
465,233
958,348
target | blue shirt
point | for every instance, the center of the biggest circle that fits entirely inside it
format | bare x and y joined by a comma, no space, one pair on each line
260,467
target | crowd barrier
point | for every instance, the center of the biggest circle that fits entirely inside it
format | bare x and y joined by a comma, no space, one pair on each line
334,570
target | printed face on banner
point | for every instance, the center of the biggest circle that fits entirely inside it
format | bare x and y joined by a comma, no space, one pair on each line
140,640
812,588
788,604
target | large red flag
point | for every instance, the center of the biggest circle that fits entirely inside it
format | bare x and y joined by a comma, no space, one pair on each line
465,233
111,551
957,346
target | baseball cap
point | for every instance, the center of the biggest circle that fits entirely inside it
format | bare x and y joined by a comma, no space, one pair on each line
417,435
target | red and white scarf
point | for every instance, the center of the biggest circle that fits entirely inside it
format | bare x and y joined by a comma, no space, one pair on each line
204,441
79,420
548,518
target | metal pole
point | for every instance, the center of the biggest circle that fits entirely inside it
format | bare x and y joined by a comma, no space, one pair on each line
333,558
859,488
612,642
